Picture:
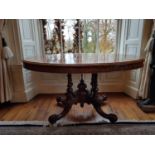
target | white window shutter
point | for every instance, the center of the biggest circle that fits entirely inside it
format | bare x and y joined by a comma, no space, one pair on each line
30,38
31,48
133,32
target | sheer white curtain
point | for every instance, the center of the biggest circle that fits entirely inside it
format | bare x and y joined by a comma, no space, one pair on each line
5,55
144,84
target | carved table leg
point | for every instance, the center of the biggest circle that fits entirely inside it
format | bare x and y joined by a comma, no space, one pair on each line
65,103
111,117
97,101
94,90
54,118
61,100
82,95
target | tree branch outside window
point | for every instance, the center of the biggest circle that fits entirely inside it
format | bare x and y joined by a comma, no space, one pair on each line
75,35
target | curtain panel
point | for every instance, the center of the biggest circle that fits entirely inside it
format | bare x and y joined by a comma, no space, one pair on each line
5,55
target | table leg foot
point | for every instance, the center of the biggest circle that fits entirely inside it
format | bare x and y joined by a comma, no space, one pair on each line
55,117
111,117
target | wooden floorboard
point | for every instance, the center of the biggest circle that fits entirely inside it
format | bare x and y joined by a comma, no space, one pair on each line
42,106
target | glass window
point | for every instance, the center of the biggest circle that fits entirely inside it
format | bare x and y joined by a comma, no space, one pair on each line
107,35
91,35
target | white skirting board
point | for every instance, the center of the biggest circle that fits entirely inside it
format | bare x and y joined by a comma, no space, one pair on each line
131,91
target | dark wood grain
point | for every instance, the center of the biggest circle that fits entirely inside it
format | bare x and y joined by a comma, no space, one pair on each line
81,63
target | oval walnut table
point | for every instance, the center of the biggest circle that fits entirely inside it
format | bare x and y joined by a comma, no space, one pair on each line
82,63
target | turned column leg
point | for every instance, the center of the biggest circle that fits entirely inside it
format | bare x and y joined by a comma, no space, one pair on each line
82,94
69,92
98,101
65,103
94,89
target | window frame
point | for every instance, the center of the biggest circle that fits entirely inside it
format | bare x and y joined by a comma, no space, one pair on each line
97,50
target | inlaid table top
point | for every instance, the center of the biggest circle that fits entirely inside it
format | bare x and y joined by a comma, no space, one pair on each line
83,63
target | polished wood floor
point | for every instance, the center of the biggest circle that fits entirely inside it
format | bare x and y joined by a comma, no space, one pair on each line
42,106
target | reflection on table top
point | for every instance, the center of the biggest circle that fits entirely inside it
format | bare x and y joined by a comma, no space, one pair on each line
82,63
82,59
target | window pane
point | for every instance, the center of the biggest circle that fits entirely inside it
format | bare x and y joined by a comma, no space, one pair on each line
68,34
49,34
107,35
97,35
89,35
49,28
